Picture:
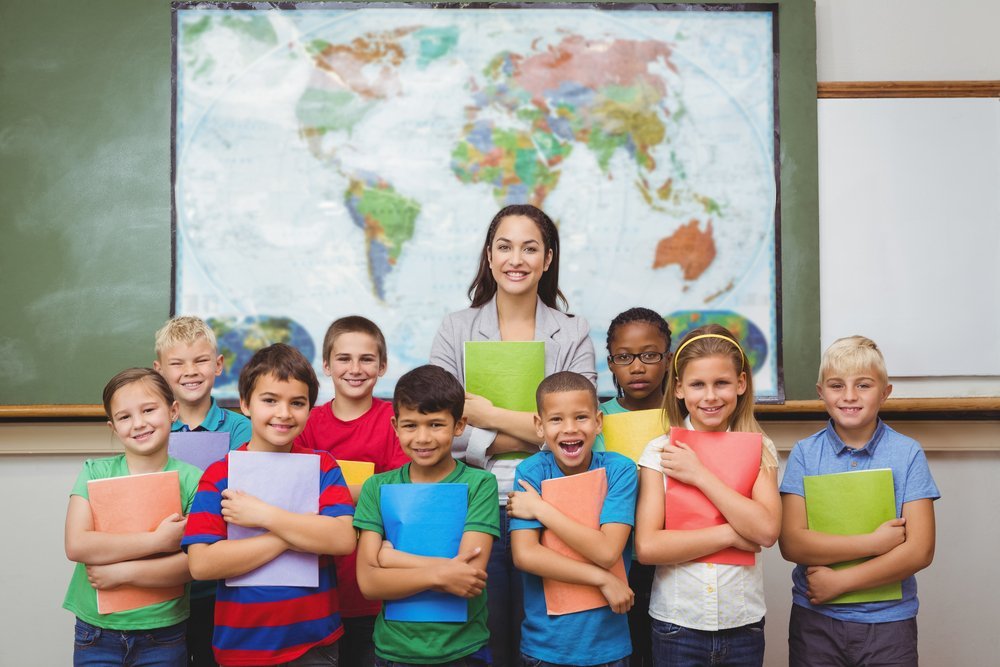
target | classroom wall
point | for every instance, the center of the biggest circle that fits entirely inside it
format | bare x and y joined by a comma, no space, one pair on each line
858,40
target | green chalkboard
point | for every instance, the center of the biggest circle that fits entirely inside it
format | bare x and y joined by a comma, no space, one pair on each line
85,194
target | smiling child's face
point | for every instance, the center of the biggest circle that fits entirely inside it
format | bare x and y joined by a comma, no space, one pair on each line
569,421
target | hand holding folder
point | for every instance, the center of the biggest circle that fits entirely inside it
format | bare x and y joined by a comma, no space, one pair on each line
426,520
134,504
734,458
581,498
853,503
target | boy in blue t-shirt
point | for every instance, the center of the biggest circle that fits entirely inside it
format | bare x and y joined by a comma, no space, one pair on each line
569,421
853,384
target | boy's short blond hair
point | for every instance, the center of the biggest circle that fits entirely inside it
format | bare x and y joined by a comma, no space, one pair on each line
184,329
853,355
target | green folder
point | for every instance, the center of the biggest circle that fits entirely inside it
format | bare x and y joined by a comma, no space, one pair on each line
507,373
853,503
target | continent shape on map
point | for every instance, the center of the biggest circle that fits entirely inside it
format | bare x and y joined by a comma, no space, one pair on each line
347,82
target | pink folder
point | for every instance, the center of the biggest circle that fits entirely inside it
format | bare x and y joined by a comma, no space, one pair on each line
580,497
735,459
133,504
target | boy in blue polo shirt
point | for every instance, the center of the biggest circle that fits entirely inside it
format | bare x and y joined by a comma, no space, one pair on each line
569,420
853,384
188,358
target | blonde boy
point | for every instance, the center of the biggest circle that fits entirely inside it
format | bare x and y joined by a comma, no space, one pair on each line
188,359
187,356
854,385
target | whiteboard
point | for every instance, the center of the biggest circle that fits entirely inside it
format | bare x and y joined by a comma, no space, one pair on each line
909,201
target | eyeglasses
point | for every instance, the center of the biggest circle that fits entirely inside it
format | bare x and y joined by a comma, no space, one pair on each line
625,359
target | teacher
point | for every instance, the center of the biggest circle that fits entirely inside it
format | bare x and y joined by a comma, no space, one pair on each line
515,297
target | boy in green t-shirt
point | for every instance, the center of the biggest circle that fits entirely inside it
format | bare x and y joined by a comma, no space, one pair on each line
428,405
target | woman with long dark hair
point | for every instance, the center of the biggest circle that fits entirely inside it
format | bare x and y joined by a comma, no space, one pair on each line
515,297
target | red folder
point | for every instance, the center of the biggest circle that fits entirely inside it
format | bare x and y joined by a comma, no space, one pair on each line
132,504
580,497
732,457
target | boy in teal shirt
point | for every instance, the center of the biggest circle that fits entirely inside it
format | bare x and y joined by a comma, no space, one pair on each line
428,405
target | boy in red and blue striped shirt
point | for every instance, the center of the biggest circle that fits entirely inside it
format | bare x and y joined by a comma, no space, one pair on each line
272,625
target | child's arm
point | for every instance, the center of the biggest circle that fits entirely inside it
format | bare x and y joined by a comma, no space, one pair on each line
757,518
657,546
811,547
86,545
519,427
148,573
310,533
531,556
602,546
231,558
464,575
897,564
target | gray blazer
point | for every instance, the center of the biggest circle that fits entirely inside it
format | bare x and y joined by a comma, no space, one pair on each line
567,348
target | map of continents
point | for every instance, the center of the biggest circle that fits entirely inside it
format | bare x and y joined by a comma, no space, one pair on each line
414,130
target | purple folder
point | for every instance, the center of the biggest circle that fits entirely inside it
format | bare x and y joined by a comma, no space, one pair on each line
426,520
199,448
288,481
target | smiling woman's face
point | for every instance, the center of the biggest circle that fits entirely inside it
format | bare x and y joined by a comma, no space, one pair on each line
517,256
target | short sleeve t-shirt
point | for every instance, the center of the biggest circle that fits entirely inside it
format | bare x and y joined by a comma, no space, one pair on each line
81,598
218,420
588,637
268,625
823,453
425,643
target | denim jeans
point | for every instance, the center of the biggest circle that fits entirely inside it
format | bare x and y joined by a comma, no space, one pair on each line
504,599
158,647
317,656
357,648
676,646
528,661
468,661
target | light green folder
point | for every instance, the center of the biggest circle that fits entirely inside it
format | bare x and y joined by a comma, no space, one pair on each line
853,503
507,373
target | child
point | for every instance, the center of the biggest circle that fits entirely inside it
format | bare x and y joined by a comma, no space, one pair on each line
269,625
568,421
187,357
140,407
638,353
355,427
428,404
706,613
853,385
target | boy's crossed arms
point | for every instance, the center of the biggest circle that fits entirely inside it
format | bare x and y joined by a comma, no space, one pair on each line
602,547
898,549
385,573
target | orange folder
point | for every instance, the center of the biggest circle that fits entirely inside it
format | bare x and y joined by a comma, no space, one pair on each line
580,497
132,504
356,472
732,457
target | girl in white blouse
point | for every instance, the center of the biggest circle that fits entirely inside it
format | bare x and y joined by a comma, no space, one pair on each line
704,613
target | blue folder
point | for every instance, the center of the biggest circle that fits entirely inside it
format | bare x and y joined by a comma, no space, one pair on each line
426,520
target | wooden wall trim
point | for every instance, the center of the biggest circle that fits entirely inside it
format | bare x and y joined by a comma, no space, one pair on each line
877,89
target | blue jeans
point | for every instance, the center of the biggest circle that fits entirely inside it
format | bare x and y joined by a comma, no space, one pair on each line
528,661
158,647
468,661
504,599
676,646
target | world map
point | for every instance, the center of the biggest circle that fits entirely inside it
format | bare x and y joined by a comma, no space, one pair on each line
339,161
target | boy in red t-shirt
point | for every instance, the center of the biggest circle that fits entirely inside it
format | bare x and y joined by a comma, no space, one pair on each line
355,426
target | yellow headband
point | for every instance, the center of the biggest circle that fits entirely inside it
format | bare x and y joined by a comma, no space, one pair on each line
691,340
